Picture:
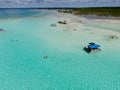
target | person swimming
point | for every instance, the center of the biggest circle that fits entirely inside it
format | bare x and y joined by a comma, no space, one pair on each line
17,40
14,40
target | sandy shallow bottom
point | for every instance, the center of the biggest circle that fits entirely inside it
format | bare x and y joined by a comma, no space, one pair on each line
67,66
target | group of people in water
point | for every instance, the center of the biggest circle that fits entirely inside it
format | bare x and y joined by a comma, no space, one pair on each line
14,40
114,37
45,57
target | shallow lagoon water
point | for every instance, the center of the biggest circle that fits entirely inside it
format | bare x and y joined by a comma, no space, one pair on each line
68,67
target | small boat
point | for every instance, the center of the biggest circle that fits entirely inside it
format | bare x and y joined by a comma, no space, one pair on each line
2,30
92,47
62,22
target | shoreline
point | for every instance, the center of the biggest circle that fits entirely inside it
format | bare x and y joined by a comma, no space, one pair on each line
94,13
89,16
100,17
77,23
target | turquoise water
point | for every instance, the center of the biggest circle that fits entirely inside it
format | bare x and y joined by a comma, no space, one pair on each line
29,37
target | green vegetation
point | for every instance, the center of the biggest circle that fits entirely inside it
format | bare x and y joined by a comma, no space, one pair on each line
100,11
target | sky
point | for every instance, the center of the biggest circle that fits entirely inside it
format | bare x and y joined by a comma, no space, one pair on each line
58,3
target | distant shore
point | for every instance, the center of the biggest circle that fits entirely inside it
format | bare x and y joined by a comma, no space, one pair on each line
101,12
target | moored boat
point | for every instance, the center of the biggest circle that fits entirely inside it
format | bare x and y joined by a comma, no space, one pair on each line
92,47
2,30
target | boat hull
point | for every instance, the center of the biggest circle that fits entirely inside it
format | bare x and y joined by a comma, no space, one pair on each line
88,50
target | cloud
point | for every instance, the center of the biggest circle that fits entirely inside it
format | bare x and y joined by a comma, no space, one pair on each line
58,3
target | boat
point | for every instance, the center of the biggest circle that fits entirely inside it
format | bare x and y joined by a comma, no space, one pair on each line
62,22
2,30
92,47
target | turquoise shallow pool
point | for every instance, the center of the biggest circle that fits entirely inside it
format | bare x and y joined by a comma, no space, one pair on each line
29,37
